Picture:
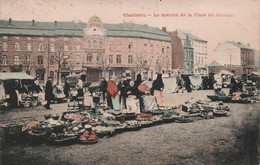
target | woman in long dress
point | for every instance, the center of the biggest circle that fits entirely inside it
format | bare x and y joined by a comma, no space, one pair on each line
113,94
157,89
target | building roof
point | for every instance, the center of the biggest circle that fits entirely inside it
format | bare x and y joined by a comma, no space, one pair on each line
239,44
215,63
181,34
129,30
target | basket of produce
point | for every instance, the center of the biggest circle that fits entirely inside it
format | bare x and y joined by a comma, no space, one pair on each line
184,120
103,131
88,137
34,103
26,104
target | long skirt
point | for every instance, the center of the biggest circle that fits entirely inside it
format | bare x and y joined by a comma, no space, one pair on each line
159,97
149,103
133,105
115,102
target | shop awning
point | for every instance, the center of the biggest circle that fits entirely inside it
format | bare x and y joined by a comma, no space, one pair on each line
15,76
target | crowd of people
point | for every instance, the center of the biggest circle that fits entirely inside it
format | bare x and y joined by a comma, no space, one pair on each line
125,93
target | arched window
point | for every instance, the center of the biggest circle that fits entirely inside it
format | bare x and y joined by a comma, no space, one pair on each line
100,44
94,44
99,57
89,44
89,58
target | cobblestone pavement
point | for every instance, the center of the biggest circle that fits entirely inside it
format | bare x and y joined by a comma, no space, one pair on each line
226,140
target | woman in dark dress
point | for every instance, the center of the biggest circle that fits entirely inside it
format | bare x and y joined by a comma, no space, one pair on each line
157,89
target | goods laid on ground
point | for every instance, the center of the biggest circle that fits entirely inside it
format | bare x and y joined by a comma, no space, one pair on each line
87,126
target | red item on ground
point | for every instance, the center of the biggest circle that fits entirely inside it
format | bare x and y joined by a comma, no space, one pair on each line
143,88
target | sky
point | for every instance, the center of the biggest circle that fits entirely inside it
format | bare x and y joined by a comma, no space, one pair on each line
239,20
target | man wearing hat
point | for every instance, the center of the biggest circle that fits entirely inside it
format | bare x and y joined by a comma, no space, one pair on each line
48,93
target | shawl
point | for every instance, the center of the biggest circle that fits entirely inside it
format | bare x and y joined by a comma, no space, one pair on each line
112,88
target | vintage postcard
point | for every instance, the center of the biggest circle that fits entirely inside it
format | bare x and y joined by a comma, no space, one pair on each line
129,82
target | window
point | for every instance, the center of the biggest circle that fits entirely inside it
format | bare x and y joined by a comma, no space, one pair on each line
157,61
17,46
52,48
110,58
162,50
5,46
66,47
130,59
89,44
111,46
168,49
28,59
41,48
65,58
118,59
89,58
130,46
98,57
52,74
94,44
199,60
118,46
100,44
16,60
77,59
4,59
40,60
145,46
78,47
51,60
29,47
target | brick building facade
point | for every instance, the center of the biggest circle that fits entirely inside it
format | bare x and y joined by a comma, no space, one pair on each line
58,49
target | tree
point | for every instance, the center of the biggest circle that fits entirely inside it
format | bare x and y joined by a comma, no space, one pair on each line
60,57
103,64
28,62
159,65
142,62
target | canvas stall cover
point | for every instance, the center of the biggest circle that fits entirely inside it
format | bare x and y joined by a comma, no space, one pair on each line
196,80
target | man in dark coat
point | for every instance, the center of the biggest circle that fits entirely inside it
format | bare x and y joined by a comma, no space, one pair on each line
104,88
48,93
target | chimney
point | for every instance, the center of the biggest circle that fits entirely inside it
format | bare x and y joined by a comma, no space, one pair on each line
248,45
33,23
10,22
55,23
164,29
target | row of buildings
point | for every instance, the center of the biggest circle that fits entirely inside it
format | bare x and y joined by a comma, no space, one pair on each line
57,49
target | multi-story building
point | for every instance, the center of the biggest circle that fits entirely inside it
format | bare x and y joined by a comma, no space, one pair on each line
177,51
235,55
58,49
199,53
